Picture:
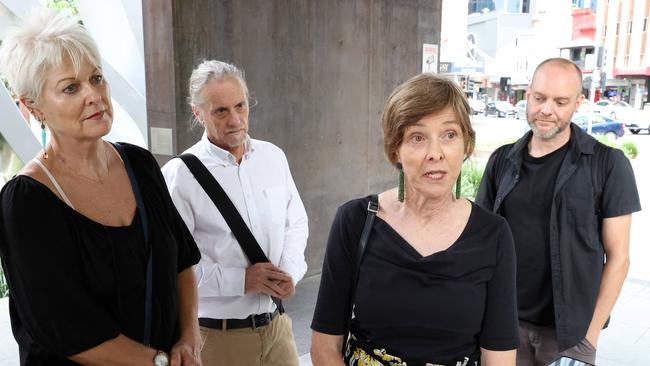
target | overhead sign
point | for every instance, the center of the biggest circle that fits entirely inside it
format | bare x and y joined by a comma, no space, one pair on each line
430,58
471,46
467,68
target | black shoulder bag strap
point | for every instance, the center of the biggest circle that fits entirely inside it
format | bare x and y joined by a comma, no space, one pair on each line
142,211
373,206
229,212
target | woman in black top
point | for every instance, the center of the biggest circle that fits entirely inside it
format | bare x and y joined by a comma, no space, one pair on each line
72,238
437,281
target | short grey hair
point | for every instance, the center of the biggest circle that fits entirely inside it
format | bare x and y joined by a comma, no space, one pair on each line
209,70
44,40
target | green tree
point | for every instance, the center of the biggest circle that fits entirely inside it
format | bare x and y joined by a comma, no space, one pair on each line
62,4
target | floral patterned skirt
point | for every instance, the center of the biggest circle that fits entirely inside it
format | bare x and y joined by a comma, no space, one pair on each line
371,356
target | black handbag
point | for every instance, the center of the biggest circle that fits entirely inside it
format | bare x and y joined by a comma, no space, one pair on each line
373,206
242,233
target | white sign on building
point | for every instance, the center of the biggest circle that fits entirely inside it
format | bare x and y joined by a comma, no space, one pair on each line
430,58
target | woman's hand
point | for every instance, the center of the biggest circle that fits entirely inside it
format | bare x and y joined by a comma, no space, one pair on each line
326,349
187,351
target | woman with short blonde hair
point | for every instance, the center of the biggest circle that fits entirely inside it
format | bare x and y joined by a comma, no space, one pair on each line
97,259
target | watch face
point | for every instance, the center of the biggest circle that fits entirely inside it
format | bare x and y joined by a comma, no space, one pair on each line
161,359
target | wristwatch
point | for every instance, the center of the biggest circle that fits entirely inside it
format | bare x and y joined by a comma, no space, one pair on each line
161,359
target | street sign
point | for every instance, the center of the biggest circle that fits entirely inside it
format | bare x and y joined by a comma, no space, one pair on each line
430,58
445,67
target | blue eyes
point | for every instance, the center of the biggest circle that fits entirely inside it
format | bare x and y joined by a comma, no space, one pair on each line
74,87
70,89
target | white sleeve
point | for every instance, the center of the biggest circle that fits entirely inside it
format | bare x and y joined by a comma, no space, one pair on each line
296,233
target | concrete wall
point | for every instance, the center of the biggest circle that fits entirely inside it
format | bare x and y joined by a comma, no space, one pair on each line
320,71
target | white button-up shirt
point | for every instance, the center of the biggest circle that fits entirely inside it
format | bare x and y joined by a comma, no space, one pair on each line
263,191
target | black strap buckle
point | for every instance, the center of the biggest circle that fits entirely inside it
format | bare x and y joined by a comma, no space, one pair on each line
373,206
261,320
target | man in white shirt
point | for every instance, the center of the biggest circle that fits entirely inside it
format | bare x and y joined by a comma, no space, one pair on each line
240,323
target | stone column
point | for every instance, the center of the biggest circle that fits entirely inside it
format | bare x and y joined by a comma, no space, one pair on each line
320,72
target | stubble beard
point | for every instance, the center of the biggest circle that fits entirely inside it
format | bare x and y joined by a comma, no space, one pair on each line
237,141
549,134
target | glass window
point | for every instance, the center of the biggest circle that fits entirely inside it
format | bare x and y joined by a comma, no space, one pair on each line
476,6
514,6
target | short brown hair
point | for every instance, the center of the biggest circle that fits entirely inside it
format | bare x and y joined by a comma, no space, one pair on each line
418,97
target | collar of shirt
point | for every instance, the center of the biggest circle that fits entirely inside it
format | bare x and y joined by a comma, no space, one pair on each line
224,157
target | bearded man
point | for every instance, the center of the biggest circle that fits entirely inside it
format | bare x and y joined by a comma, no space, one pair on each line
568,200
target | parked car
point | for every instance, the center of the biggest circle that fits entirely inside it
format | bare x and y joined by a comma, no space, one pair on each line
501,108
586,106
635,120
600,125
477,105
521,109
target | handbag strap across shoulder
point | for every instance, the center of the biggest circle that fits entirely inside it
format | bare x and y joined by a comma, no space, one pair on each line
373,207
237,225
142,211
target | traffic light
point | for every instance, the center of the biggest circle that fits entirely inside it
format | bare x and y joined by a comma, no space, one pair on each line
505,84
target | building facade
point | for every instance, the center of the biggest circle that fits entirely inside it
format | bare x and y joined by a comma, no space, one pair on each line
623,29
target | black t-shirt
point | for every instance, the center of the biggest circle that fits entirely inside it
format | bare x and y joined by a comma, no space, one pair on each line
440,307
527,209
75,283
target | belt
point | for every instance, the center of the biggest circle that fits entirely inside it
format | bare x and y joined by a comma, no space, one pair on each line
252,321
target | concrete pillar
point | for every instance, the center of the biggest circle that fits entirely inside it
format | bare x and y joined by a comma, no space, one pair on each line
320,72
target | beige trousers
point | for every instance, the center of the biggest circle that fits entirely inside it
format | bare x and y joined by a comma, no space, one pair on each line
271,345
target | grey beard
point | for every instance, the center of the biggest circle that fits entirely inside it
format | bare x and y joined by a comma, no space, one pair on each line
548,135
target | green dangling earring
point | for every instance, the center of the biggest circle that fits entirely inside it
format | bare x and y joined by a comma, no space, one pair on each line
400,183
44,140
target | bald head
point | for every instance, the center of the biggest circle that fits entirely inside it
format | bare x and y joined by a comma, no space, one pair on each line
556,63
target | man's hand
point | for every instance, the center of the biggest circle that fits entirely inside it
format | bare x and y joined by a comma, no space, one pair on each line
592,337
266,278
288,289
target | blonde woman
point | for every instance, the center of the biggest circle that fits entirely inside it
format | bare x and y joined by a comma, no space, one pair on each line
97,259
